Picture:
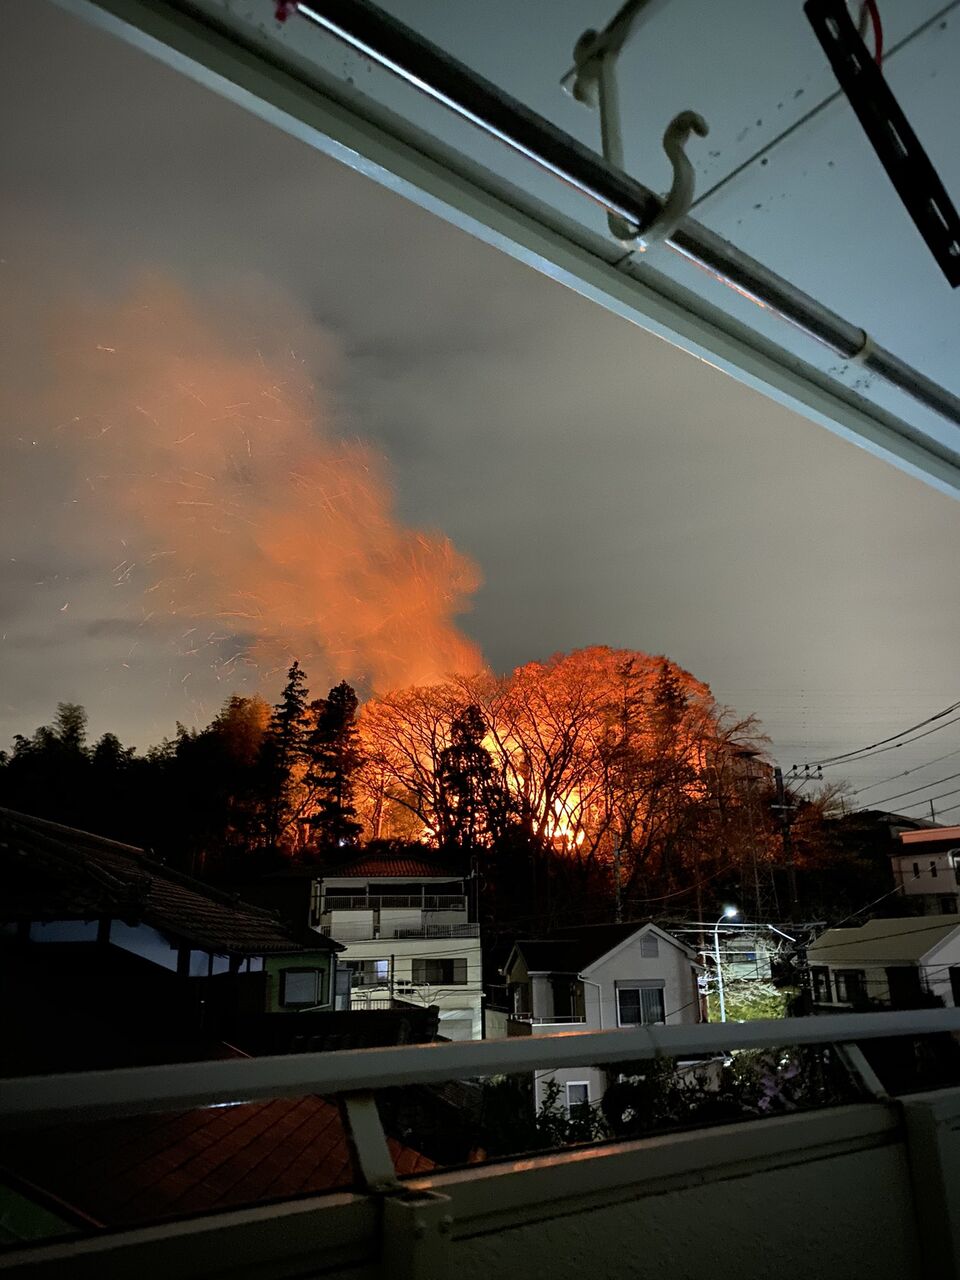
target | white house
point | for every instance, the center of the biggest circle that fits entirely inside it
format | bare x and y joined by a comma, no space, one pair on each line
596,977
896,962
409,934
927,869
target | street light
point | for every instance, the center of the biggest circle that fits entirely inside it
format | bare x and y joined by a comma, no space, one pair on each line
728,914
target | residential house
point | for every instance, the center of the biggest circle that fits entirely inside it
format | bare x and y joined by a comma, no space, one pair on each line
899,962
596,977
409,933
926,869
88,922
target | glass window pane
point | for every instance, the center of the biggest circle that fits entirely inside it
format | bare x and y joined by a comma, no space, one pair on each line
628,1001
300,986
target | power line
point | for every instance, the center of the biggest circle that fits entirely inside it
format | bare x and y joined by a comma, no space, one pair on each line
913,791
919,804
896,889
908,742
845,756
906,772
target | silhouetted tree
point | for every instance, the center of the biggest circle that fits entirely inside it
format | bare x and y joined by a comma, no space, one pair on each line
333,758
474,804
281,753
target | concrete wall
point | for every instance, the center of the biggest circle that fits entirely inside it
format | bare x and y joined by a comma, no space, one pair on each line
461,1003
726,1205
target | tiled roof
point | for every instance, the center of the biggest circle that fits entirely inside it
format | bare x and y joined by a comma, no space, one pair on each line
572,950
879,942
148,1168
52,872
384,866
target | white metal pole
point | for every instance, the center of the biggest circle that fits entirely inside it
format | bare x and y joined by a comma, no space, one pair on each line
716,953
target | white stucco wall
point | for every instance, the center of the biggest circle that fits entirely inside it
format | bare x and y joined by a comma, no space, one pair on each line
458,1004
625,963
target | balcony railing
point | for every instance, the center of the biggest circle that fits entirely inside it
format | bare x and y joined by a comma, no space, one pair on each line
570,1019
394,902
349,932
837,1164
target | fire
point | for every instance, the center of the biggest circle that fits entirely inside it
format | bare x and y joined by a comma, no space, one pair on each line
587,745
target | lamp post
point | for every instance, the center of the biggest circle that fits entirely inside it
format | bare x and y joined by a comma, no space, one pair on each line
728,914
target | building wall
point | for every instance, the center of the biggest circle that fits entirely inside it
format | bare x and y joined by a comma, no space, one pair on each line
626,963
459,1005
920,872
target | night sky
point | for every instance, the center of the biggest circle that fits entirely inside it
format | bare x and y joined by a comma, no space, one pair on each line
608,488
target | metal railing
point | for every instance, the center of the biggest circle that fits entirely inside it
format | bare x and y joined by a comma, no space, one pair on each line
536,1020
372,932
49,1099
391,902
431,1227
433,72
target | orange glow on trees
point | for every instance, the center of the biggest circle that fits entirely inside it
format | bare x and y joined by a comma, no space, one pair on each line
598,751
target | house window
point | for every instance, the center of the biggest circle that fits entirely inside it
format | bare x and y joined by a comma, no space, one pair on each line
368,973
578,1094
820,976
440,973
639,1003
916,871
851,986
948,904
302,988
954,856
649,946
933,869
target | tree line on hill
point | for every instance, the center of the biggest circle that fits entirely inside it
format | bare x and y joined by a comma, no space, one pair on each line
598,783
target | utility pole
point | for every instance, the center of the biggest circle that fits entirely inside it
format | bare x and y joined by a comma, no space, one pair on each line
933,812
787,838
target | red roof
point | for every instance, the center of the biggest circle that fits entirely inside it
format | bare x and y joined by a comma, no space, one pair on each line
143,1169
384,866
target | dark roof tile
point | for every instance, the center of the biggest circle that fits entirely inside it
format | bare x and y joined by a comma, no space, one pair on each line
52,872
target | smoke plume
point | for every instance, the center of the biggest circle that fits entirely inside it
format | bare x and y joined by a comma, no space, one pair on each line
206,453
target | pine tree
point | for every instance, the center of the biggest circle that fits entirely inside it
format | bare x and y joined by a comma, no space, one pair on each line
473,802
334,756
282,751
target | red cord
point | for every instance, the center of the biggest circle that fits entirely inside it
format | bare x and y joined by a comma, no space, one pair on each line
870,7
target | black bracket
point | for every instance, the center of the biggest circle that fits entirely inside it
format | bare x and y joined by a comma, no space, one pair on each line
897,146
